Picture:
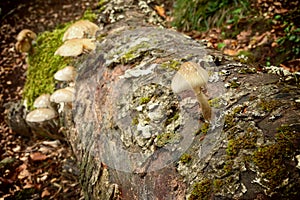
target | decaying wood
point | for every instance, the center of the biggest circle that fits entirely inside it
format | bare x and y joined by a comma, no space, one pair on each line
247,152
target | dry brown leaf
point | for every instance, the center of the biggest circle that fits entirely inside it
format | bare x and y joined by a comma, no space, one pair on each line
230,52
54,143
45,193
292,65
28,185
160,11
24,174
81,29
37,156
281,11
244,36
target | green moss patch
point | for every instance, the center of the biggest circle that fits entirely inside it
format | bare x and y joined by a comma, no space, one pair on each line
43,64
186,158
171,64
168,138
273,160
201,190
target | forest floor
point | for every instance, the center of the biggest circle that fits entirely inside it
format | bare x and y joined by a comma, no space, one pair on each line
34,168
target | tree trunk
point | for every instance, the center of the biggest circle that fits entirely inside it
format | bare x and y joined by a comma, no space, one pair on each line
136,139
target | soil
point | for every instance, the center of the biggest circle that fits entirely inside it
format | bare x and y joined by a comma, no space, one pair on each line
31,168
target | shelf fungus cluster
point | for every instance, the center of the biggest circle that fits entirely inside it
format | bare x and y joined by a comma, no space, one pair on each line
78,39
193,76
44,118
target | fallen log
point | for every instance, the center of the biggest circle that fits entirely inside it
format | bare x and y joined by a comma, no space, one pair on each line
136,138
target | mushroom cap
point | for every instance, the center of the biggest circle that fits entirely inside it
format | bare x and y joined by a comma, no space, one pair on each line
75,47
81,29
40,115
43,101
189,76
66,74
23,46
63,95
27,35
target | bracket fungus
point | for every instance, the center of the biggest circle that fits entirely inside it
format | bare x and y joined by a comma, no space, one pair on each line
43,101
75,47
24,40
66,74
41,115
193,76
81,29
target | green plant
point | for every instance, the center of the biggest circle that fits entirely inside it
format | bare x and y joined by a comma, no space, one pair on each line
203,14
289,43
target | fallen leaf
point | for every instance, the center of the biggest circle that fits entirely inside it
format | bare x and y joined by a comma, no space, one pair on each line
292,65
17,148
230,52
160,11
281,11
24,174
45,193
37,156
53,144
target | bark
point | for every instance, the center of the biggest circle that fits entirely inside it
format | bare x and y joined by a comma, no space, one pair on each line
134,138
127,149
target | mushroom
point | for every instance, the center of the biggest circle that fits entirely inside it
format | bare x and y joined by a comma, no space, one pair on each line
66,74
41,115
64,95
81,29
43,101
24,40
75,47
193,76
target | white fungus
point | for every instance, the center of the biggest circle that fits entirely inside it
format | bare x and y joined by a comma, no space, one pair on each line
40,115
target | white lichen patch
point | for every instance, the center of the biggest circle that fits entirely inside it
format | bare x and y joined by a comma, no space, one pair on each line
154,111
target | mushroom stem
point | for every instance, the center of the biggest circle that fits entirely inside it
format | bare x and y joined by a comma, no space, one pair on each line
193,76
203,101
